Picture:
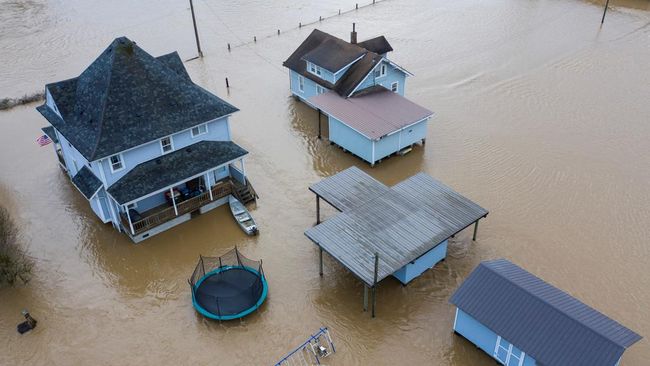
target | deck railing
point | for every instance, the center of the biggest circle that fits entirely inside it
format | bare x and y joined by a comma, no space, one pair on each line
220,190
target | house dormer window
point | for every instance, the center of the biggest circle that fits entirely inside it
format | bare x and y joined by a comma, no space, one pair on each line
166,144
116,163
199,130
316,70
320,89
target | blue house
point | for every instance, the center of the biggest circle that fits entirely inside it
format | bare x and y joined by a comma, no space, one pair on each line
143,144
360,91
519,319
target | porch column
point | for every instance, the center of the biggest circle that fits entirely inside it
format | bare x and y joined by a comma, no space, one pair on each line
243,169
115,217
171,192
475,230
128,216
209,184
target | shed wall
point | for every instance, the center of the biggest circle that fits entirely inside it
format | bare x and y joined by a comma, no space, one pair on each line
412,270
350,139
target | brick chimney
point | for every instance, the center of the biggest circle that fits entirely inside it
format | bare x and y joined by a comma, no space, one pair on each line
353,35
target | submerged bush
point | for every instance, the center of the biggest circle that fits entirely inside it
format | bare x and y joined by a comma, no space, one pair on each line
14,263
7,103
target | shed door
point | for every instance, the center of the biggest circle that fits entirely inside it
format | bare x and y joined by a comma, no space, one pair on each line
508,354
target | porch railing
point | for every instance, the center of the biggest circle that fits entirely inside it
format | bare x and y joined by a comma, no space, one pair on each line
220,190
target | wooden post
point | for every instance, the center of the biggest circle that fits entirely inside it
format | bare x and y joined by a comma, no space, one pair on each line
300,25
374,286
475,230
254,38
227,84
604,12
321,261
171,192
319,125
365,297
357,6
317,209
228,47
278,32
320,18
196,33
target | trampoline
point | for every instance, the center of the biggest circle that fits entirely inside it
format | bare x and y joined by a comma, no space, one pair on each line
228,287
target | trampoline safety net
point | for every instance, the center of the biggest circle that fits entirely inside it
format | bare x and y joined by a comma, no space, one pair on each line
228,285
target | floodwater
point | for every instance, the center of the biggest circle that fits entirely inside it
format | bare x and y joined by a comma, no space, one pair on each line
542,118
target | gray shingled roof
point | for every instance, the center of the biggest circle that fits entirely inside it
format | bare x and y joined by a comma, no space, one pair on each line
169,169
378,45
126,98
400,223
548,324
87,182
334,54
318,41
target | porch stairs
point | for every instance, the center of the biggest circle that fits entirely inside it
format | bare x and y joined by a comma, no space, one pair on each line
245,193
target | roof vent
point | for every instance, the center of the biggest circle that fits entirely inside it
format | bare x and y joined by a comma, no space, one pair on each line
353,35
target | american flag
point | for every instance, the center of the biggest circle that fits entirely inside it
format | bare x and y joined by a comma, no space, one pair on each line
43,140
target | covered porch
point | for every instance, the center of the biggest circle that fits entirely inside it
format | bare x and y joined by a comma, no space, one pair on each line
158,195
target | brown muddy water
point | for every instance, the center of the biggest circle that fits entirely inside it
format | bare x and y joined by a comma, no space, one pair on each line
542,117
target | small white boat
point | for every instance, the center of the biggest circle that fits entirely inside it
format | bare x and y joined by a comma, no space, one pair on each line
242,216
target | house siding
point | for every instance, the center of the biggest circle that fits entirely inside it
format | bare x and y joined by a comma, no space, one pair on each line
349,139
72,157
309,86
414,269
481,336
392,74
403,138
324,74
217,131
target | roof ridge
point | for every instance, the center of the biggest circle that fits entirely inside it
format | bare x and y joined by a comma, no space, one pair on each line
100,122
538,298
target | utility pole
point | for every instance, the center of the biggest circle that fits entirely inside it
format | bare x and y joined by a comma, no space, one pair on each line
604,12
196,33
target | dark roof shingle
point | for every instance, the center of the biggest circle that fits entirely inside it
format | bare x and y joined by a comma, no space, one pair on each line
545,322
315,47
126,98
87,182
172,168
378,45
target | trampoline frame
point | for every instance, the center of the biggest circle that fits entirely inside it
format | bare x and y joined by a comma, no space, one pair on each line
207,314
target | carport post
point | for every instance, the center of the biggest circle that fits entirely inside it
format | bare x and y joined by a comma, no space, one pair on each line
319,133
365,297
321,260
475,230
317,209
374,286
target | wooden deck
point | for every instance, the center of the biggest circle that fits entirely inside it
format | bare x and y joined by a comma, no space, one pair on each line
164,213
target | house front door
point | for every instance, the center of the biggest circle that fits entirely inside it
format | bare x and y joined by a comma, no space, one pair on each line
506,353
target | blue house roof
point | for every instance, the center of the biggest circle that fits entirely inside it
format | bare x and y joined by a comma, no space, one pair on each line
126,98
547,323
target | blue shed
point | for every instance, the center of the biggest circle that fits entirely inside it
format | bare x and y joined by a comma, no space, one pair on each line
520,320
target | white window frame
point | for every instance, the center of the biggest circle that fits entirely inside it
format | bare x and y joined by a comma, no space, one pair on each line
315,69
301,83
383,70
110,162
195,135
171,144
396,85
320,89
509,353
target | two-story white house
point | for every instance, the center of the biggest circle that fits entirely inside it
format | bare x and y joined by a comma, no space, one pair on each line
360,91
145,146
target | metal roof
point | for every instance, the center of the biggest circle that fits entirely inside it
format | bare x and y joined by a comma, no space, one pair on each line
87,182
172,168
374,114
126,98
348,189
545,322
399,223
